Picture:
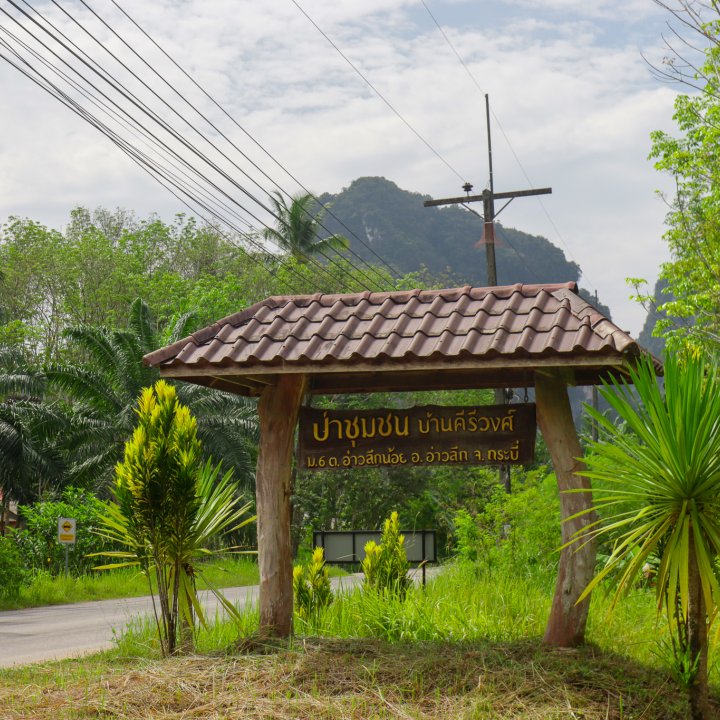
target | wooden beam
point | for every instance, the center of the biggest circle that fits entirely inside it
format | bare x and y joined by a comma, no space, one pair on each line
255,372
421,380
278,411
566,625
509,195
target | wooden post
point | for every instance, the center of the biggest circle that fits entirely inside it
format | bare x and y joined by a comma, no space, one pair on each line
278,412
566,625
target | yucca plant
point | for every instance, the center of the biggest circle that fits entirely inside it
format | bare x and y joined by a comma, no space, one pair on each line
659,492
170,510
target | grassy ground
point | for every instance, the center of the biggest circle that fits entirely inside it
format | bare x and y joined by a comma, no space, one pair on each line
466,647
128,582
340,679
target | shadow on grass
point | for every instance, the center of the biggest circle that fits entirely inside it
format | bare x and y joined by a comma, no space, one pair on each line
354,679
523,679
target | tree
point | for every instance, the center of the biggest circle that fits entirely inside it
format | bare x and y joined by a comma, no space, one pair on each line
102,387
658,487
30,459
90,273
170,508
693,161
298,226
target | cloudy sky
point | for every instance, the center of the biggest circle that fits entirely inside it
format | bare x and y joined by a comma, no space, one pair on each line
573,102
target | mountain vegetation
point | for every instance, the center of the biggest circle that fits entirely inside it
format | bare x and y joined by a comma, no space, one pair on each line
446,241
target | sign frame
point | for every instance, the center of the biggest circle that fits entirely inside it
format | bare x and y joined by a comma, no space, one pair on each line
421,436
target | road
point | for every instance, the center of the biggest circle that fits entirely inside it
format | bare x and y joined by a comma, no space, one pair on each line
60,631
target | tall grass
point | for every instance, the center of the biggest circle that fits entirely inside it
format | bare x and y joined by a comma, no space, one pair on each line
460,605
456,606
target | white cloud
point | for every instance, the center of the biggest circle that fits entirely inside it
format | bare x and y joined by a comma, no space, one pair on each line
565,77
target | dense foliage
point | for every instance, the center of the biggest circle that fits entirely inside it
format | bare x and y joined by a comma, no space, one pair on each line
662,498
37,541
12,569
692,159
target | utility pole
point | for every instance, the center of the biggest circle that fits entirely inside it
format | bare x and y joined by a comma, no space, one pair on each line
488,198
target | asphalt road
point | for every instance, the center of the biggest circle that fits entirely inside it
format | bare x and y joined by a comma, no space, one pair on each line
61,631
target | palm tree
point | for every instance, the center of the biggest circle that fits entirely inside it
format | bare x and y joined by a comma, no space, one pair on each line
298,227
660,494
30,460
102,393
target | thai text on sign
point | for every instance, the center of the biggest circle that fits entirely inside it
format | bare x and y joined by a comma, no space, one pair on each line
428,435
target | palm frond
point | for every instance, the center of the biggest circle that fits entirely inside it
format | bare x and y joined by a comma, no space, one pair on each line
668,469
85,385
141,323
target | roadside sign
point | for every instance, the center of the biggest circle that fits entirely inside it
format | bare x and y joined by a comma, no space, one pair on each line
66,531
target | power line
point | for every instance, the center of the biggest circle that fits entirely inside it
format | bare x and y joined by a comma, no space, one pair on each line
504,134
377,92
198,112
257,144
118,87
138,133
137,157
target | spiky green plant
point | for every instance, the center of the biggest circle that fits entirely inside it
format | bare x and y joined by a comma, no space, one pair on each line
311,587
386,565
170,509
660,495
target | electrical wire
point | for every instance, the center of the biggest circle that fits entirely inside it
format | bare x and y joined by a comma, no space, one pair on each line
287,172
505,136
184,119
364,78
138,158
128,96
138,134
149,167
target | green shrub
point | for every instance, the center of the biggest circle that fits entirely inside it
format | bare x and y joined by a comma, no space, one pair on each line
12,570
520,533
38,540
386,565
467,535
170,508
311,587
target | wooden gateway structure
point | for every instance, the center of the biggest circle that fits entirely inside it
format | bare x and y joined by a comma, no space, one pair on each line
284,349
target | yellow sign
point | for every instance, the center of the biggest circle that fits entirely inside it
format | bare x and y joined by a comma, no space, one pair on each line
66,530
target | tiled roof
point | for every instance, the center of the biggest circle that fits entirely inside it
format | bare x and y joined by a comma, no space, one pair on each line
460,324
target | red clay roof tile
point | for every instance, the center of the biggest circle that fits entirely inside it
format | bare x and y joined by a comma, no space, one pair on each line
317,330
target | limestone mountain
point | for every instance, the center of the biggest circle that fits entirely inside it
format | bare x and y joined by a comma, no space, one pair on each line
446,240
